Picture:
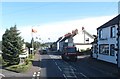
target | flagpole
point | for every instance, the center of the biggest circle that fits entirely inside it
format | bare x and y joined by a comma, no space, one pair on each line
32,39
33,31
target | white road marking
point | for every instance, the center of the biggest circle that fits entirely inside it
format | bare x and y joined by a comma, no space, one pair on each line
73,67
55,57
56,63
34,72
1,75
64,76
66,63
33,75
38,72
73,71
83,75
59,68
69,76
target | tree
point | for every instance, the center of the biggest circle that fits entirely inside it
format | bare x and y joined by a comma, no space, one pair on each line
32,41
0,45
12,46
28,45
35,44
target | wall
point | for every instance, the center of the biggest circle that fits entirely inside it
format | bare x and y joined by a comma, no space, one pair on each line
119,48
79,38
108,40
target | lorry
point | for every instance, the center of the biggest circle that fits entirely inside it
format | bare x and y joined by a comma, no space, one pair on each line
69,53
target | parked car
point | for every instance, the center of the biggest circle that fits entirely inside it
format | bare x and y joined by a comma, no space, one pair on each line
43,51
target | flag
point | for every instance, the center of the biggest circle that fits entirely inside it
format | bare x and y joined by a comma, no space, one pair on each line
34,31
83,28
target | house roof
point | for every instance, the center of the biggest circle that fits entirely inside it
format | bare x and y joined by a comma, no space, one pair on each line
65,38
113,21
59,39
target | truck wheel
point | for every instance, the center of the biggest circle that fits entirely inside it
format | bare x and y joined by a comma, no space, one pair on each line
75,59
62,57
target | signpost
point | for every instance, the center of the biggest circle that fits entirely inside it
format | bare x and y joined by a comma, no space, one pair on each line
31,50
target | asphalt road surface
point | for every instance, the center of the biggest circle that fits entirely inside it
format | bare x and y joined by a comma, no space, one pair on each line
51,66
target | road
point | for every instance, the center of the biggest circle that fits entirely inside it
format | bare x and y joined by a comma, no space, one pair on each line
51,66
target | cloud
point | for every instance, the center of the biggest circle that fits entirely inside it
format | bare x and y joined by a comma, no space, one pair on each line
58,29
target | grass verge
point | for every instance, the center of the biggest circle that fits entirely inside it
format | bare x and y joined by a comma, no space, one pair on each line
19,68
22,67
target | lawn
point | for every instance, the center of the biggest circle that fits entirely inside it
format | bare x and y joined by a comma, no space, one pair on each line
22,67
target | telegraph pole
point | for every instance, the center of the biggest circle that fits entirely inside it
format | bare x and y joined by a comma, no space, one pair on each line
32,41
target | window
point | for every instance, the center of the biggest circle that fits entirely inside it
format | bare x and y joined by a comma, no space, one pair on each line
112,51
100,33
113,32
104,49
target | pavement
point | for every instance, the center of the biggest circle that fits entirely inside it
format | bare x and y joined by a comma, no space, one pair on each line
29,74
35,64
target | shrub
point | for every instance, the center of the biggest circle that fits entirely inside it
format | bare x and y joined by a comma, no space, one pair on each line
82,50
27,61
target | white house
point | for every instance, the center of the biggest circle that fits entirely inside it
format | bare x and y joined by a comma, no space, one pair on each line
108,41
24,55
83,40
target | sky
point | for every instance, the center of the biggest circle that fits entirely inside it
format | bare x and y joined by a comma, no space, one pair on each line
54,19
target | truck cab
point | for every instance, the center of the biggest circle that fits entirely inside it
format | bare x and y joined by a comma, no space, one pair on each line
69,53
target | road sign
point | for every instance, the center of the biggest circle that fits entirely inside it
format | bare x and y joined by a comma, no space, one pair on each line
31,48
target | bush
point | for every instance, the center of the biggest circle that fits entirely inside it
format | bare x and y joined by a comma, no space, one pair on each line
85,52
0,59
82,50
31,57
27,61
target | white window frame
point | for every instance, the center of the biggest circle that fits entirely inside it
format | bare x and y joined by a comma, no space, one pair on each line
113,32
112,51
100,33
104,49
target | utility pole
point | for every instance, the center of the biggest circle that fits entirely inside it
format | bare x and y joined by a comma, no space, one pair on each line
84,37
32,41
